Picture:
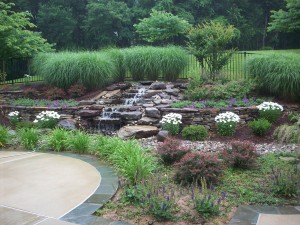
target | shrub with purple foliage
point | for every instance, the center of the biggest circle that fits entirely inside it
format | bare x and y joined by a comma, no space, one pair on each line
171,150
240,154
196,165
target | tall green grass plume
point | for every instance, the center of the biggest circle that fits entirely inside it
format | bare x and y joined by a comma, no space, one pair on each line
63,69
173,61
277,74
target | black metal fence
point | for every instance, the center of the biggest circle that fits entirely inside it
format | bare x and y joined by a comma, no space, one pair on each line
19,71
16,71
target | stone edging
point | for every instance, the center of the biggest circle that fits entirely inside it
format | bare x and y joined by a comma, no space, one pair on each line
83,214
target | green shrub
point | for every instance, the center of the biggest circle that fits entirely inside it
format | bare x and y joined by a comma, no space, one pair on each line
127,156
56,139
232,89
240,154
146,62
260,127
195,133
63,69
4,135
277,74
25,124
28,137
78,142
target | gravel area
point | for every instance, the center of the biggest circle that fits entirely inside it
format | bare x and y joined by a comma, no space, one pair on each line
215,146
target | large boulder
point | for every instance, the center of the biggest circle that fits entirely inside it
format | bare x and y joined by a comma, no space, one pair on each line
139,131
152,112
89,113
158,86
148,121
162,135
69,124
121,86
135,115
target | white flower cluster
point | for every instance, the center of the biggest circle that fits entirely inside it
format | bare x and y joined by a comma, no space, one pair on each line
269,106
13,114
46,116
227,117
173,118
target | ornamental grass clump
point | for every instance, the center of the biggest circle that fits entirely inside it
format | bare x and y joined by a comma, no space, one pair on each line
57,138
14,117
226,123
47,119
171,123
270,111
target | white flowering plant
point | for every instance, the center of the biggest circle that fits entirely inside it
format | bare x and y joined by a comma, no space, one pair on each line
171,123
47,119
14,117
226,123
270,111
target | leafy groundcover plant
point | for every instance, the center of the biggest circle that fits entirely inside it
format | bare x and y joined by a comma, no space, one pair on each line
226,123
47,119
171,123
270,111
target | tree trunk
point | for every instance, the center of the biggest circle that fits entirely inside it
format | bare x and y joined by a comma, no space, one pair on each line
265,31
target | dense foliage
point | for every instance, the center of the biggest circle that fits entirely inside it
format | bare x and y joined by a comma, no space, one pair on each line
15,36
93,24
277,74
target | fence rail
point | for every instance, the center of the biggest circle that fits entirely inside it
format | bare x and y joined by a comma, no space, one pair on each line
16,70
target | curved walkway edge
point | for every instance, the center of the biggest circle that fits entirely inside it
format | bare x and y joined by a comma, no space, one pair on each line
83,214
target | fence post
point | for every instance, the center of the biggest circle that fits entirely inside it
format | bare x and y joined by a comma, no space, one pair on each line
245,70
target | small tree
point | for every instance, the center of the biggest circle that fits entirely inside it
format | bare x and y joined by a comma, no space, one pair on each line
161,26
208,42
15,38
286,21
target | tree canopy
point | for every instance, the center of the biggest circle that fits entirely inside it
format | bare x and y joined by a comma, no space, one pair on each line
161,26
92,24
286,21
15,37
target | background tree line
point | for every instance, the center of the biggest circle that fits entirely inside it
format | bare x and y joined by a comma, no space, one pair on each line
93,24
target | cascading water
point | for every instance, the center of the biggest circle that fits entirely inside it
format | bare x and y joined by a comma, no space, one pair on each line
136,98
110,118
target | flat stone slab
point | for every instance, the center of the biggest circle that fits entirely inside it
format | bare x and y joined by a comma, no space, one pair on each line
249,214
270,219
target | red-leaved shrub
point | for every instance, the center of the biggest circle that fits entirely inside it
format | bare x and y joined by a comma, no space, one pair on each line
30,92
196,165
55,93
240,154
76,90
171,150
